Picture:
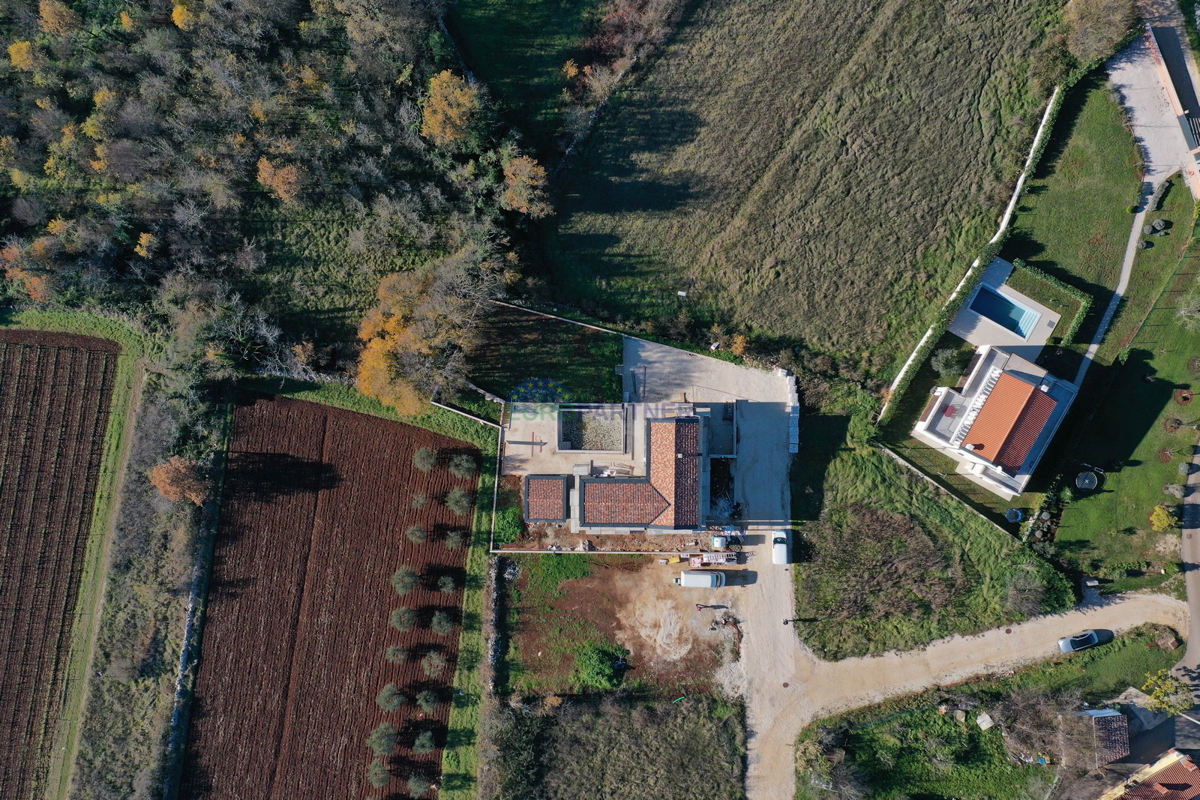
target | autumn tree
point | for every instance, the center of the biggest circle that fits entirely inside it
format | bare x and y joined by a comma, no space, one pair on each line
179,479
525,187
57,18
1163,519
22,56
451,113
1094,27
1168,693
282,181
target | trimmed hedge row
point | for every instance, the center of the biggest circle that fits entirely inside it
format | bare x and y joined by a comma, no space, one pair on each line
1085,299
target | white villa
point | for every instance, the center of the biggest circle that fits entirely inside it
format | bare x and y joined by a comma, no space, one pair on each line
999,421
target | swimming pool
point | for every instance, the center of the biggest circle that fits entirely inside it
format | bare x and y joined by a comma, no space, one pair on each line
999,309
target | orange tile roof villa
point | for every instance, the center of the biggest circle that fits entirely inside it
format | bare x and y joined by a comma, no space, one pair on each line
998,423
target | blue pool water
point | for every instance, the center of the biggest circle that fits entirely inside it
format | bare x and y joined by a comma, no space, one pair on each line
999,309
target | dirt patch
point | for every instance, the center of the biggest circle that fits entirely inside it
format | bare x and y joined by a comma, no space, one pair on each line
551,537
1172,424
634,603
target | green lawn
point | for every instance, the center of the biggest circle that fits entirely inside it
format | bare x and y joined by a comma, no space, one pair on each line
518,48
747,164
1109,531
984,568
516,346
1072,223
905,748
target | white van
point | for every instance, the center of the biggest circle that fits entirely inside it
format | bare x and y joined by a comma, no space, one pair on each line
781,548
700,579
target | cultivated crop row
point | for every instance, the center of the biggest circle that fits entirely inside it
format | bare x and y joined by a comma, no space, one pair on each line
321,507
55,391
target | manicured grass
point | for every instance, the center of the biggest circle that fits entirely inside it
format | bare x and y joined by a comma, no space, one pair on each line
516,346
759,195
1109,531
460,760
90,599
1073,220
518,48
894,742
982,562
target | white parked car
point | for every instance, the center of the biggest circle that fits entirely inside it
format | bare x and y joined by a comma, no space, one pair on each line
1080,641
781,548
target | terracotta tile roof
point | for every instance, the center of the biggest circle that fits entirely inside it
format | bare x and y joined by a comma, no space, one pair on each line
621,502
1010,422
1179,781
546,498
669,497
1112,736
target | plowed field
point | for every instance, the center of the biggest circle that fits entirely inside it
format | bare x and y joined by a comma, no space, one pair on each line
317,501
55,391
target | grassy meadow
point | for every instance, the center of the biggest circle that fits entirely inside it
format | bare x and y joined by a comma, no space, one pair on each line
314,281
515,346
985,577
518,48
905,748
777,162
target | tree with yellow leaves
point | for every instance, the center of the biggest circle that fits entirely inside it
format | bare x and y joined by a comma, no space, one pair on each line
58,18
525,187
451,113
284,182
183,17
21,55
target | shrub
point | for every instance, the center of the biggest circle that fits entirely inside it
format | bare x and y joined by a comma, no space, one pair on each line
404,580
424,743
428,701
389,698
424,459
418,785
433,664
446,584
456,539
419,501
459,500
396,654
462,466
947,363
416,534
378,774
441,624
1163,519
383,739
594,667
403,619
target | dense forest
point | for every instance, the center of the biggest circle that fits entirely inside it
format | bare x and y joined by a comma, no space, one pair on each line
142,144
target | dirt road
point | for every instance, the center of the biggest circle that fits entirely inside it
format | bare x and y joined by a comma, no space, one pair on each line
787,691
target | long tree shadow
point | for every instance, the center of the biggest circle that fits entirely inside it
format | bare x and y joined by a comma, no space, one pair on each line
269,476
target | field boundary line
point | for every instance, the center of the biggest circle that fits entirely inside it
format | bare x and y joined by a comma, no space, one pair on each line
496,479
471,417
565,319
1048,117
902,461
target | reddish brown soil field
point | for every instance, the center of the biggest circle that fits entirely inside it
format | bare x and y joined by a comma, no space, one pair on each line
55,391
317,501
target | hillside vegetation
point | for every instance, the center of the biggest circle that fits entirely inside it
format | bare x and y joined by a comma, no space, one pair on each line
815,171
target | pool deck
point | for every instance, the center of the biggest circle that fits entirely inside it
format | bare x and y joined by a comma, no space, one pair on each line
980,330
